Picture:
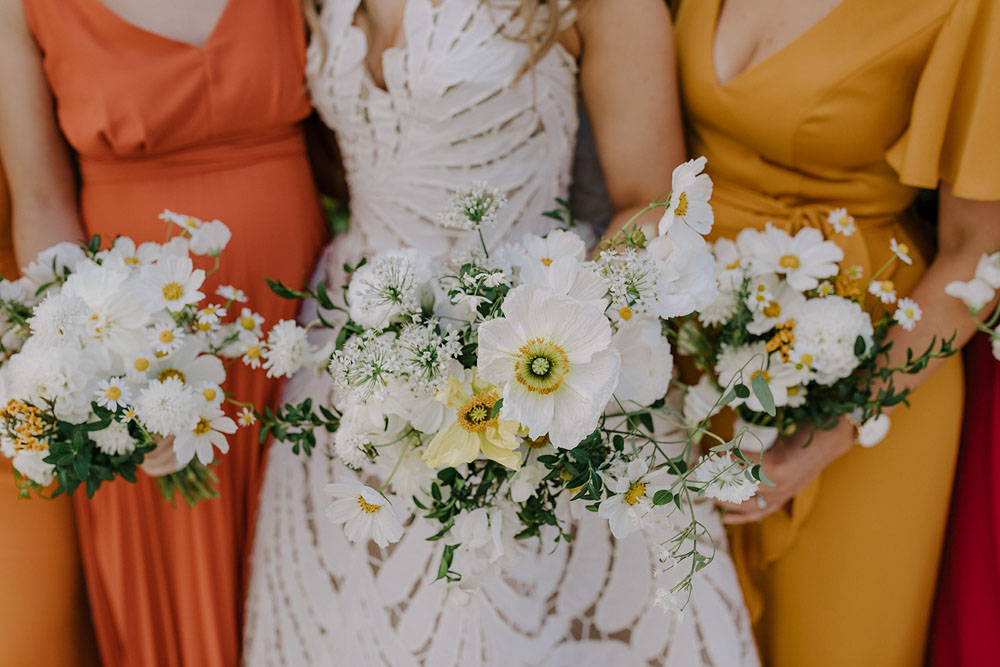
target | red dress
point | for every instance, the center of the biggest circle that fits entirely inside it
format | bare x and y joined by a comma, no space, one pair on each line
211,131
966,630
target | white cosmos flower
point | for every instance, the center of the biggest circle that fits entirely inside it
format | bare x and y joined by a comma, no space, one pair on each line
59,319
885,290
365,513
124,254
566,275
803,259
901,251
975,293
907,313
53,262
190,364
553,356
544,251
391,287
826,329
113,394
772,302
172,283
874,431
689,216
167,407
114,440
288,349
210,238
748,361
30,464
722,477
631,507
230,293
647,361
842,222
988,269
209,431
686,281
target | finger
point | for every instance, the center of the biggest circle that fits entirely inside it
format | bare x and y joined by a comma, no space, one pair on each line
736,519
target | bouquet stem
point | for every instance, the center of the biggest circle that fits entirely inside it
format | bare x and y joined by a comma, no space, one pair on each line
194,482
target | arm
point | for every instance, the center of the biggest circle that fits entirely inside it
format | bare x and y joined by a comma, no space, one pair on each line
967,229
43,189
629,83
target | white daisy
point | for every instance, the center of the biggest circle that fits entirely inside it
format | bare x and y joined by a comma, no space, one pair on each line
113,394
211,392
885,290
724,478
208,431
230,293
689,216
172,283
166,338
842,222
250,322
114,440
631,507
167,407
365,513
211,315
210,238
901,251
246,418
825,289
907,313
803,259
252,351
553,356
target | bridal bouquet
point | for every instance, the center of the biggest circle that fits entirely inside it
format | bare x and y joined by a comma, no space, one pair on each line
486,391
979,292
104,350
788,318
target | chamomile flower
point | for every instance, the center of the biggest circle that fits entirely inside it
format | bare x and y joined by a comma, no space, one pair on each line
167,407
841,222
209,430
249,322
855,272
230,293
252,351
724,478
114,440
885,290
689,216
188,223
210,238
246,418
113,393
825,289
907,313
901,251
287,349
211,393
631,507
365,513
473,208
166,338
211,315
172,283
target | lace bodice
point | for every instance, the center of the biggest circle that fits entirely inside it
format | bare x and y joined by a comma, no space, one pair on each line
455,109
434,129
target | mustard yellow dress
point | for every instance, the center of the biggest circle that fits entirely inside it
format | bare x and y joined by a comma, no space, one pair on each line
875,99
44,618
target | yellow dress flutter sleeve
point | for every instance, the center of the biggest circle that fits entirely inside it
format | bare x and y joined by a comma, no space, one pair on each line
954,130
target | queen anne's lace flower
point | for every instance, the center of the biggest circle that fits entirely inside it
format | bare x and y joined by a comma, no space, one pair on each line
473,208
390,288
425,355
365,365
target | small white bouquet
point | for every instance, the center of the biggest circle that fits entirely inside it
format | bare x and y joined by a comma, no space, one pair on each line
105,350
798,340
480,391
980,292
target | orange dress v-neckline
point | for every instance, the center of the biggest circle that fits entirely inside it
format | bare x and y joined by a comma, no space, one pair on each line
127,25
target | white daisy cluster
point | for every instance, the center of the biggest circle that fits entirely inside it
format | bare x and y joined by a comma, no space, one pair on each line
473,208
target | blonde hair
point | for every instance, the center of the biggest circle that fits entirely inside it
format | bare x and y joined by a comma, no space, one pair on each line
540,36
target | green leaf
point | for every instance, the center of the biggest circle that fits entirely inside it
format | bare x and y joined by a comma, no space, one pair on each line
763,393
662,497
81,468
859,346
496,409
446,558
741,391
284,292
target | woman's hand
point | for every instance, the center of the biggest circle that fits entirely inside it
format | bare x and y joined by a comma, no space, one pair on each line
162,460
791,465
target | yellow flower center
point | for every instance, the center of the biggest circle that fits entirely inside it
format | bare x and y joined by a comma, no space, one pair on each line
887,286
166,336
367,507
204,326
209,394
168,373
765,374
793,391
789,262
826,289
248,323
547,261
807,359
903,249
474,416
253,352
635,493
682,205
141,364
625,313
734,265
203,427
173,291
131,260
541,366
129,415
113,393
190,222
772,309
909,313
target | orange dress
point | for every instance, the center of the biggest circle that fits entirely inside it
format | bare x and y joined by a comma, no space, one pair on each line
211,131
874,100
40,572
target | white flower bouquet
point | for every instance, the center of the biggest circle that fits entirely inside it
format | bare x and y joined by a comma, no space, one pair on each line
482,392
798,340
105,350
979,293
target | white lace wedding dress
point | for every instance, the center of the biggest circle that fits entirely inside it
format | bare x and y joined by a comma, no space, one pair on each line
454,110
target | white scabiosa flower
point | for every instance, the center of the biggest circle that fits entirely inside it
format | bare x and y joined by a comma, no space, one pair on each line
114,440
473,208
803,259
689,216
827,329
209,430
724,478
167,407
172,283
390,288
553,356
976,293
885,290
647,361
907,314
901,251
364,512
287,350
631,507
841,222
113,393
60,319
874,431
210,238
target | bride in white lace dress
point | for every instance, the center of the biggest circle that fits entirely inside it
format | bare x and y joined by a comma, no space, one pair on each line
426,96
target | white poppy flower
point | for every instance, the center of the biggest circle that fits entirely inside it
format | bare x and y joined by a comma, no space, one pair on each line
803,259
546,250
689,216
365,513
208,431
553,356
647,361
